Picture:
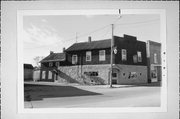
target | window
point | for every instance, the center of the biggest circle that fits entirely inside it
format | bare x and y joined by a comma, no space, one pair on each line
135,58
74,59
124,54
91,73
43,74
50,75
114,75
88,56
155,58
102,55
50,64
57,64
139,56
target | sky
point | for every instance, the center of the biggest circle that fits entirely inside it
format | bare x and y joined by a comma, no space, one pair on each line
42,34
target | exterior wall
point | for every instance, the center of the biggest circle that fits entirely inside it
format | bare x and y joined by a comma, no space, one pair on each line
94,60
132,46
130,74
128,42
28,74
154,68
77,74
46,74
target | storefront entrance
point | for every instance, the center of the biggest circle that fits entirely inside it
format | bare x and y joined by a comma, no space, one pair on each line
115,76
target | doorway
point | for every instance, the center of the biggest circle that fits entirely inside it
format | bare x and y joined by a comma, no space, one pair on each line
115,76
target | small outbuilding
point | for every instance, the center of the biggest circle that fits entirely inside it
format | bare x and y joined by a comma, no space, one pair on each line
28,72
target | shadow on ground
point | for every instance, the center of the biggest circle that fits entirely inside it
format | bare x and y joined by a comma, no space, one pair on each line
38,92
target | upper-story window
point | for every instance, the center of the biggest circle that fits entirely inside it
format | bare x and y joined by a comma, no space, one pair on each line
155,58
57,64
88,56
139,56
102,55
74,59
50,64
135,58
124,54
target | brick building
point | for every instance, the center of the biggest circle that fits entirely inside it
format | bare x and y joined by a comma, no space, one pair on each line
154,61
89,62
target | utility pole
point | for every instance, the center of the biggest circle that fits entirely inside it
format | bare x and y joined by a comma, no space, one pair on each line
112,39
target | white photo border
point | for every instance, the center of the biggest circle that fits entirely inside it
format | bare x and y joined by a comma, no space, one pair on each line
20,82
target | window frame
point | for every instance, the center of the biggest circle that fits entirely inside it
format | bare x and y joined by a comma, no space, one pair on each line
102,57
50,64
88,53
56,64
123,56
74,62
155,58
139,56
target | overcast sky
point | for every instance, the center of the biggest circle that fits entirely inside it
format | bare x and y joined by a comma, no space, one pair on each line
43,34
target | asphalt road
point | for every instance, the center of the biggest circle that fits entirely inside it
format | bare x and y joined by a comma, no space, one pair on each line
95,96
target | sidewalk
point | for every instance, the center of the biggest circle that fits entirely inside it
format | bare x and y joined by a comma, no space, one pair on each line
100,86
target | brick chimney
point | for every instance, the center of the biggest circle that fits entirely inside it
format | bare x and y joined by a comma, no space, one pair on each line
51,52
64,49
89,39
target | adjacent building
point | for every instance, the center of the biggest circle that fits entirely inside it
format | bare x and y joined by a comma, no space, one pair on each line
28,72
49,66
89,62
154,61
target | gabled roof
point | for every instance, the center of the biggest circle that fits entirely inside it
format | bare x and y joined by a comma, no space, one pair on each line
54,57
100,44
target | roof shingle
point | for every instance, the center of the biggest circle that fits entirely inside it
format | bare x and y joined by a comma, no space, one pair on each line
90,45
54,57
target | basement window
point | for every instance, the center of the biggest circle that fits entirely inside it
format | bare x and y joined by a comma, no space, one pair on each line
91,73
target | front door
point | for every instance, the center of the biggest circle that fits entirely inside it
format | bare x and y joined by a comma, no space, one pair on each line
154,77
115,76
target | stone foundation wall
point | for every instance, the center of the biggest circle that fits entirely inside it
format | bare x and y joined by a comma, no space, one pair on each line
127,74
76,74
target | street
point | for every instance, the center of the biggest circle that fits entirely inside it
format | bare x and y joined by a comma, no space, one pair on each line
94,96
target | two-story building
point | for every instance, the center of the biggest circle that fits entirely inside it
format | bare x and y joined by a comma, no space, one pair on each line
154,61
49,66
89,62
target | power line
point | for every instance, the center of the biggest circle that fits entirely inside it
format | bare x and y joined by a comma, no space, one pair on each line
138,22
84,34
95,31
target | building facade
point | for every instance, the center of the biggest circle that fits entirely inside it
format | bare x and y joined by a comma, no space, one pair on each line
49,66
154,61
89,62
